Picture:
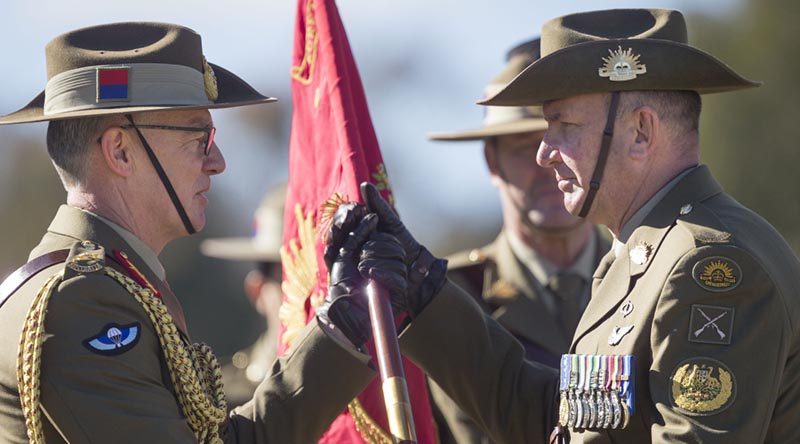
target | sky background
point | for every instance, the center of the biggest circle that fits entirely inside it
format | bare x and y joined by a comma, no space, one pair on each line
423,65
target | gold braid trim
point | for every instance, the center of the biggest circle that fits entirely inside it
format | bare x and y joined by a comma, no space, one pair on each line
29,359
194,370
366,426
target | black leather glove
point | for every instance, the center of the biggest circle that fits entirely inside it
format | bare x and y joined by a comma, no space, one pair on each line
382,256
426,273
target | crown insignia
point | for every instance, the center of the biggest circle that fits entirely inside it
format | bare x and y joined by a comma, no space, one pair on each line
621,65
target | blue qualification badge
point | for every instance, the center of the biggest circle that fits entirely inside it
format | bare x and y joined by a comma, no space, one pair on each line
627,387
114,339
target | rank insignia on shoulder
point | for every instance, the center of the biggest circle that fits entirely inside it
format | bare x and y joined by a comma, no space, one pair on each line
87,257
711,324
114,339
503,290
717,274
702,386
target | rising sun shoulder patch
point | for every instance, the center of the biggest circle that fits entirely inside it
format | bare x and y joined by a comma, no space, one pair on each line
717,273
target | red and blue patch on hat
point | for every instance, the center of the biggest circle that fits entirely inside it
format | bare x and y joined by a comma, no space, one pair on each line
112,84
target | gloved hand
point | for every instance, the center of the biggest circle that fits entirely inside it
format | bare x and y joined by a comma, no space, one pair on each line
426,273
346,306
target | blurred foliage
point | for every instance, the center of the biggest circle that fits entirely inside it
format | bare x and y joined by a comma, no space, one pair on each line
750,138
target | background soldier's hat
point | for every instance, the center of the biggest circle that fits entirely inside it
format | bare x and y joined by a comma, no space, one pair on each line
131,67
502,121
268,239
617,50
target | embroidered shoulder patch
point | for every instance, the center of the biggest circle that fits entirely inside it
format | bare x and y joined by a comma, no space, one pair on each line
711,324
114,339
702,386
717,274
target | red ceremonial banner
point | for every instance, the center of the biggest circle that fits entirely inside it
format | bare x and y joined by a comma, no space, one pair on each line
333,148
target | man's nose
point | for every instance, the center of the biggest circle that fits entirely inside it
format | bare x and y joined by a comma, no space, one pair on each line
547,156
215,162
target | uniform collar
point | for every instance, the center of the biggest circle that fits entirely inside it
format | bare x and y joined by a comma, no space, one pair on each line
147,254
613,285
542,269
638,218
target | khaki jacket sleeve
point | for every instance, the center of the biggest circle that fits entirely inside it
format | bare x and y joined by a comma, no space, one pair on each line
88,397
303,394
719,358
127,397
458,426
482,367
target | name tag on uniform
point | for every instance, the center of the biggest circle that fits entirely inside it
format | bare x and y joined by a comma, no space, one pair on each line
596,391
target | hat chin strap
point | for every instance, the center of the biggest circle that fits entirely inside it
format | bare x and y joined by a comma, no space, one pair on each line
187,224
602,157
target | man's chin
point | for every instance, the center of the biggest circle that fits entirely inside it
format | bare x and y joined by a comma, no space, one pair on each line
563,223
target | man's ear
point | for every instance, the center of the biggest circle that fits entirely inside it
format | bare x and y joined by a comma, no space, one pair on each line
492,162
646,129
115,146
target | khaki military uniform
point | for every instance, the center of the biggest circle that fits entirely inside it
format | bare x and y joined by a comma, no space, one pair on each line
128,394
703,294
505,288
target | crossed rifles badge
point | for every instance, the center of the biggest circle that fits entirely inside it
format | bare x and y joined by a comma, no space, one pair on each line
711,324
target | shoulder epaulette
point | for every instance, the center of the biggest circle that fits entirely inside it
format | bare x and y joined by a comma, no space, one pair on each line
467,258
703,224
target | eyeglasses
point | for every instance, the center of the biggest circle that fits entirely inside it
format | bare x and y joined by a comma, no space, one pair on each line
208,140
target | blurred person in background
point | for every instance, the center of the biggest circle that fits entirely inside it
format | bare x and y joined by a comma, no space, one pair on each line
691,331
94,346
534,278
242,372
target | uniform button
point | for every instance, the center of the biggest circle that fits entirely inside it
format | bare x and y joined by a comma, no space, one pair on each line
240,360
475,255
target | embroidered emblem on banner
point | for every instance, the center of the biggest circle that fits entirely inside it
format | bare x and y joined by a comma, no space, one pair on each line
717,274
112,84
702,386
299,258
114,339
304,71
622,65
710,324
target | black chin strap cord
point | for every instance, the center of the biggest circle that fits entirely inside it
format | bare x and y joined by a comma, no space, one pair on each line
602,157
187,224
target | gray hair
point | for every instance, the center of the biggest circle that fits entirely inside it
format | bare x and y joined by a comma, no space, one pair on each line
680,109
68,144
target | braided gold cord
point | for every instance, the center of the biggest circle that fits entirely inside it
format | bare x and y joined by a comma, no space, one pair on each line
370,430
29,359
194,370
